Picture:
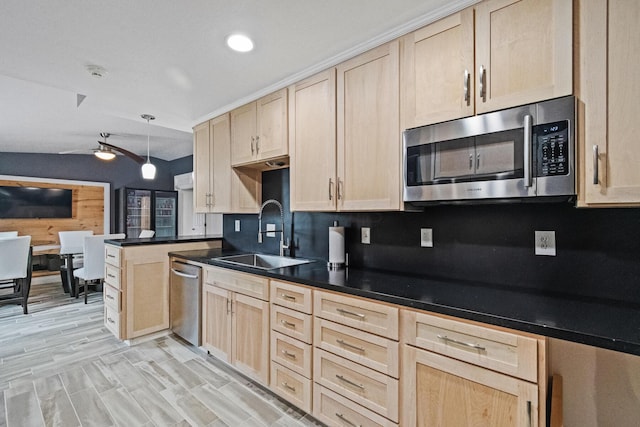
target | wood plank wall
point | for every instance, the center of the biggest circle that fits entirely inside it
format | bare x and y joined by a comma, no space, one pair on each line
87,214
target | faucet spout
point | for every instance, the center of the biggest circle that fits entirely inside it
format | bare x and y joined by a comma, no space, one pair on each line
281,231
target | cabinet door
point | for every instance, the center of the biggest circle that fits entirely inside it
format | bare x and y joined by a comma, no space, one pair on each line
312,143
147,294
369,130
609,91
246,190
437,76
243,134
201,167
220,130
440,391
216,322
525,48
272,136
250,349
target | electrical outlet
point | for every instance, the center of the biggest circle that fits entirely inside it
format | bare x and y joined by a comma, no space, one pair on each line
545,243
366,235
271,230
426,237
237,225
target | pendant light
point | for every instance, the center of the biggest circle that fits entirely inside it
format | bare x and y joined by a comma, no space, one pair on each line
148,169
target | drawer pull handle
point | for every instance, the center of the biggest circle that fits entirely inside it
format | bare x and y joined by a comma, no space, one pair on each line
111,275
288,324
110,320
346,344
110,256
466,344
289,297
289,355
350,313
110,297
287,386
351,383
343,418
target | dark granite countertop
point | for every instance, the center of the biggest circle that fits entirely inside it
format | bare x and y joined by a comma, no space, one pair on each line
593,322
163,240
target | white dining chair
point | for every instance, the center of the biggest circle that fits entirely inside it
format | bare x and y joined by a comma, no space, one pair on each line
93,269
71,247
144,234
7,234
15,270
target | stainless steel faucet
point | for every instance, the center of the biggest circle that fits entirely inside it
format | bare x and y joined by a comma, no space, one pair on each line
281,231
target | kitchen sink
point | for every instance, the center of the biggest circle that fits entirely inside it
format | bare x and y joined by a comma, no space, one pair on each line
264,262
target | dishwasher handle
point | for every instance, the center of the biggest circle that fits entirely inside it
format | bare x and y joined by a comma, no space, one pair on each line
181,274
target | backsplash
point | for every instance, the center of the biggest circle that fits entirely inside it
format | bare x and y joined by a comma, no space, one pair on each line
598,250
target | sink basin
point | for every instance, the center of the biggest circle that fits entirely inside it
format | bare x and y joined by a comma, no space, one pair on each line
264,262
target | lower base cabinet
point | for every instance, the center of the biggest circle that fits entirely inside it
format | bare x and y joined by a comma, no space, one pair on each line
441,391
335,410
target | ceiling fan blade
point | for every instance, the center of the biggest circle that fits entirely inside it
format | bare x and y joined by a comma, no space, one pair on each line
129,154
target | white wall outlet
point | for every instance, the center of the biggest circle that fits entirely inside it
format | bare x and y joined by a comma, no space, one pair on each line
271,230
237,225
426,237
545,243
366,235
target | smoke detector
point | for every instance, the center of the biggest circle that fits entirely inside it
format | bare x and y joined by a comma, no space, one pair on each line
96,71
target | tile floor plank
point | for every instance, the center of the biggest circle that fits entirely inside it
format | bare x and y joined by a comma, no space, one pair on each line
57,410
156,407
90,409
123,408
23,409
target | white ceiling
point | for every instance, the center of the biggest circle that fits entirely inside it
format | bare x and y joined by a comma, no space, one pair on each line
168,58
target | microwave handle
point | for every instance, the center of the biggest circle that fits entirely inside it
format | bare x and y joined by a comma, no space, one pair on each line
528,127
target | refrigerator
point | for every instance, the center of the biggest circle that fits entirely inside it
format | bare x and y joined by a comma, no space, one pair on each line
139,209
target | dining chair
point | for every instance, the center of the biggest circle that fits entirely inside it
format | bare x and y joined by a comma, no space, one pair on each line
6,234
146,234
71,246
93,268
15,270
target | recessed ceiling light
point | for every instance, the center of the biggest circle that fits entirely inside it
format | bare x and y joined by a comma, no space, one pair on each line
240,43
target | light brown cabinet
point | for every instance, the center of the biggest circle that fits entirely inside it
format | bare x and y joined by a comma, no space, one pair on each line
608,90
522,51
219,188
235,320
259,130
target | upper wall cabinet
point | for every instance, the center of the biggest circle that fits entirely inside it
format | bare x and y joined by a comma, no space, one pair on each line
259,130
368,131
523,52
608,91
437,71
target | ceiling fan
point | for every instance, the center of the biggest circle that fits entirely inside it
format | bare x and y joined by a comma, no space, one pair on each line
106,151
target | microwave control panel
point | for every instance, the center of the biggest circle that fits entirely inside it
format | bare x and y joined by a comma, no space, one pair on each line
552,146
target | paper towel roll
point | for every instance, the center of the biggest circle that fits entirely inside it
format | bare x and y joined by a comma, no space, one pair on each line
336,247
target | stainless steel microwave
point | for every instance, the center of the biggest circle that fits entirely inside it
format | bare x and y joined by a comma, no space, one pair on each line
519,153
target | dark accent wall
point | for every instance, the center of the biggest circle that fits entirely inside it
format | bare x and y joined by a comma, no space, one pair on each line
598,250
119,172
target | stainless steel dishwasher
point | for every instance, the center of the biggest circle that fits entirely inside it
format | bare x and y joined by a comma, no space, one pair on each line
185,301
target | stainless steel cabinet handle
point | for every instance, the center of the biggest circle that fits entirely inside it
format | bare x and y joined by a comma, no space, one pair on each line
110,256
257,144
595,165
340,184
110,297
351,383
477,161
481,80
110,320
529,414
350,313
289,355
288,324
253,140
330,189
289,297
470,161
466,344
528,126
181,274
344,419
467,81
111,275
346,344
287,386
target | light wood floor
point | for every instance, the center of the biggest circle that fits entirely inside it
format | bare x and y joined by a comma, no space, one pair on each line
60,367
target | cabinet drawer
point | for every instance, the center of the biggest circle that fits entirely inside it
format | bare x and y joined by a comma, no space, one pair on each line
112,255
290,322
242,283
367,387
291,353
367,349
368,316
112,275
112,321
335,410
291,386
498,350
292,296
112,298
